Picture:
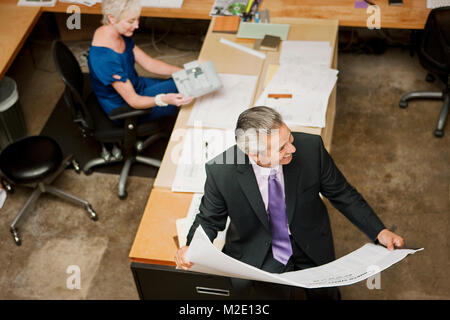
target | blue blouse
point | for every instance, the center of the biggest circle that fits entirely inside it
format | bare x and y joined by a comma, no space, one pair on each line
103,64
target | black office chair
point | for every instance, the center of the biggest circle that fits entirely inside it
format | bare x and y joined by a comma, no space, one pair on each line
93,121
35,162
434,55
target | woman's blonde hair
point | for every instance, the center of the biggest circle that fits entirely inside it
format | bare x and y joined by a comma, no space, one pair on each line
117,7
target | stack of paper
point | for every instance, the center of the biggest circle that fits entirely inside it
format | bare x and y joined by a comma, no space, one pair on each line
88,3
37,3
310,87
162,3
306,53
222,108
305,77
144,3
431,4
199,146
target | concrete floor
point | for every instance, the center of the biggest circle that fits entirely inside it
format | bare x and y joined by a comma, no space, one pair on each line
388,154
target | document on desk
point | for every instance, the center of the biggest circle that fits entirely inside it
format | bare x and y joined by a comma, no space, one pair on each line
310,87
306,53
37,3
221,108
199,146
359,265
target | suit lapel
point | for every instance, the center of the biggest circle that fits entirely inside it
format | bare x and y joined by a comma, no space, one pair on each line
291,173
249,185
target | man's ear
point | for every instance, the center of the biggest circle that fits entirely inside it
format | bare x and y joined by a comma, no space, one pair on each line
254,156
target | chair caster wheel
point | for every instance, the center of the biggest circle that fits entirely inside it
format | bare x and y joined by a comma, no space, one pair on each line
92,213
430,78
123,196
7,186
16,237
403,104
438,133
88,172
76,166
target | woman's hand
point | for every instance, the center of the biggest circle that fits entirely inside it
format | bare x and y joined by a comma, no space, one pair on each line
176,99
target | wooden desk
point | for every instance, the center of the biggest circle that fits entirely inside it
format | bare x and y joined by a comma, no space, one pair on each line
411,15
154,241
16,24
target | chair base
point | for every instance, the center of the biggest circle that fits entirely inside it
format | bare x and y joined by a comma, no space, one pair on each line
121,192
106,158
445,96
45,187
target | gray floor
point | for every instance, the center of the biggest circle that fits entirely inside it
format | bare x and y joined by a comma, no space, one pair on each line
388,154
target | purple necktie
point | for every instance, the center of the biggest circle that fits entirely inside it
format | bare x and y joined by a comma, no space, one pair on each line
281,244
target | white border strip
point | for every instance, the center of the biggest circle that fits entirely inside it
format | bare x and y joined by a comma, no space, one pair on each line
243,48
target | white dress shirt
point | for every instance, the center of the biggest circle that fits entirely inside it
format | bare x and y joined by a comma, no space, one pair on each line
262,177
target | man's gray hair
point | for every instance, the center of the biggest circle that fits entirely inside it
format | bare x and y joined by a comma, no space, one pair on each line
117,7
252,125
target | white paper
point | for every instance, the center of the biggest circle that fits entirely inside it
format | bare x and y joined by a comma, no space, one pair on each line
144,3
306,53
184,225
88,3
199,146
221,109
242,48
2,197
359,265
310,86
431,4
37,3
162,3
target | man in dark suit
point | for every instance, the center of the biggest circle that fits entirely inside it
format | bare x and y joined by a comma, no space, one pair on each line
268,185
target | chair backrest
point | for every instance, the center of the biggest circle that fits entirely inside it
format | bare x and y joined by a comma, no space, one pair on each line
70,73
435,44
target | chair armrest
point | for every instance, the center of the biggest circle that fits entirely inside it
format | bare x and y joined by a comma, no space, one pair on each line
126,111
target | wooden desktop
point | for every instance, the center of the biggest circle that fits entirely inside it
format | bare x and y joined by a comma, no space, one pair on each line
16,24
411,15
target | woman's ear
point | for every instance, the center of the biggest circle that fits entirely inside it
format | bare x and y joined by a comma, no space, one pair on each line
111,19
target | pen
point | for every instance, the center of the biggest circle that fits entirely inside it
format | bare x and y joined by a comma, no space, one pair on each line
256,16
206,150
254,7
249,6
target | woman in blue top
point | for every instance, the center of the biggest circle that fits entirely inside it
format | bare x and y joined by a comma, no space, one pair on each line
111,60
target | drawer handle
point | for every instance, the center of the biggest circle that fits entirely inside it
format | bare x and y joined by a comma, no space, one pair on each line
213,291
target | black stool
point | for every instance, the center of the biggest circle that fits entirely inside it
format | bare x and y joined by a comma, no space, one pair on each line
35,162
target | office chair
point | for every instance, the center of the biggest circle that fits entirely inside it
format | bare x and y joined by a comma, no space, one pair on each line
434,55
93,121
35,162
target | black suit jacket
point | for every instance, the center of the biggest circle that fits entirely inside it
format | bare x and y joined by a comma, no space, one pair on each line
231,190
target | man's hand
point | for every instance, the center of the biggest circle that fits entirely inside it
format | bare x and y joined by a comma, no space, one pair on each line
180,258
390,240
